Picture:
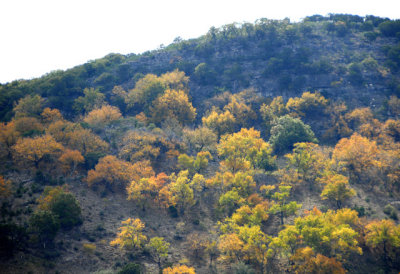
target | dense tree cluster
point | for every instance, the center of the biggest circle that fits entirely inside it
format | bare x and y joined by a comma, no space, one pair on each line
223,181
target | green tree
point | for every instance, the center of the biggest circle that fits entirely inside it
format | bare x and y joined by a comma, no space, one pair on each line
287,131
91,100
281,205
158,249
45,225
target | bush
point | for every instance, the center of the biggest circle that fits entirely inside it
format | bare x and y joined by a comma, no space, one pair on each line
287,131
89,248
131,268
390,211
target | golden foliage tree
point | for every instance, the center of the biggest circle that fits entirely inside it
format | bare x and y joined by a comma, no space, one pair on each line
70,159
307,104
200,139
179,269
141,145
103,116
173,104
5,188
130,235
357,154
36,150
220,123
336,188
244,150
384,237
115,173
147,189
8,137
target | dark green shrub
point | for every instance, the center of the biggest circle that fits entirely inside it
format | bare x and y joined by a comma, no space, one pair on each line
131,268
287,131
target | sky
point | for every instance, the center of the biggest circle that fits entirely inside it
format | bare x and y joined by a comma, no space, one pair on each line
41,36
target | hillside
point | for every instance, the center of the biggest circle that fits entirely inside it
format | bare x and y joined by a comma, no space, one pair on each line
270,147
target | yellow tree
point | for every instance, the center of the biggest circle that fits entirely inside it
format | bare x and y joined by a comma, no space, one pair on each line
220,123
113,172
8,136
231,248
145,189
200,139
245,150
307,104
336,189
130,235
103,116
308,161
49,116
70,159
243,113
305,261
36,150
173,104
86,142
357,154
179,269
141,145
5,188
384,237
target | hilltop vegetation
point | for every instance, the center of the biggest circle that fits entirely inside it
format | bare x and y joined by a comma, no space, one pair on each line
256,148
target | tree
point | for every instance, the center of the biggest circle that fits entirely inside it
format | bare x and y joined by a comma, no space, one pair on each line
307,161
244,150
62,204
287,131
307,104
28,106
115,173
357,154
272,111
70,159
182,195
92,99
306,262
196,244
220,123
8,137
143,190
242,113
179,269
45,225
28,126
101,117
332,234
5,188
86,142
130,235
198,164
281,206
384,236
146,90
49,116
200,139
158,249
337,189
141,145
36,150
231,247
173,105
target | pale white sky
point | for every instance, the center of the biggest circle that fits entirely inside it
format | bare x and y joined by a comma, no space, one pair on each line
38,36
